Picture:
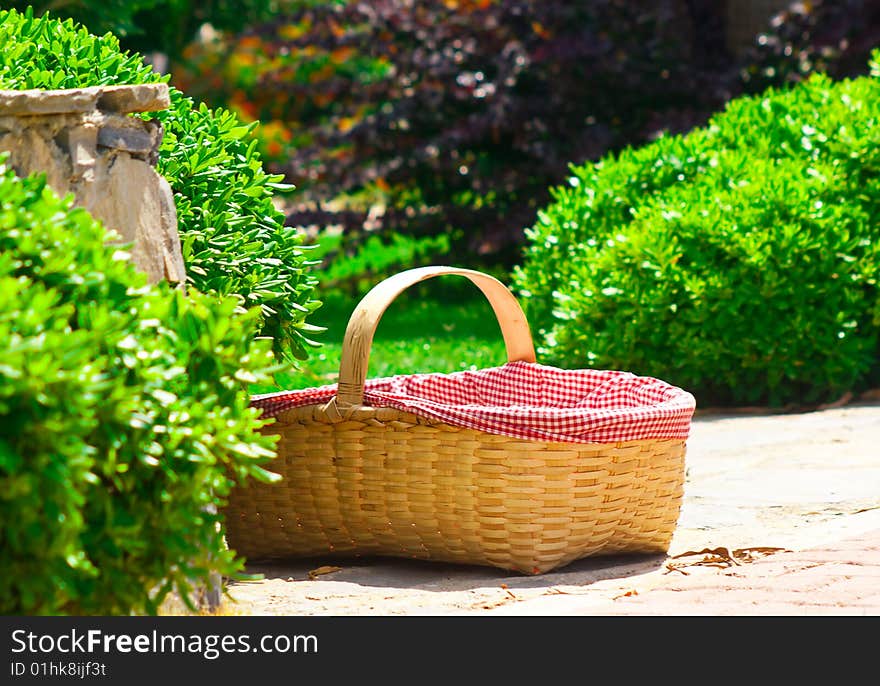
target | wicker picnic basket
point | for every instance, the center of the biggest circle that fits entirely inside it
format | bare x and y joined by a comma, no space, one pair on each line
420,480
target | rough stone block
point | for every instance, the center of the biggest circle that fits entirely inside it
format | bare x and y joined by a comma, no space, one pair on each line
85,144
81,146
133,199
36,102
138,140
30,152
145,97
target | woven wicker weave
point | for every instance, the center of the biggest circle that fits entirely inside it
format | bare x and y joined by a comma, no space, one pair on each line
367,480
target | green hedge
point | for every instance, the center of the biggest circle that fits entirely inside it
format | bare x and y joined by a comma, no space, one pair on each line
740,261
234,239
123,415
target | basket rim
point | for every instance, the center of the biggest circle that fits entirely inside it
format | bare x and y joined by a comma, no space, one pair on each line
623,406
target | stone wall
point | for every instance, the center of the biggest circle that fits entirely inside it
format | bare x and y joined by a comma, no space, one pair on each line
87,145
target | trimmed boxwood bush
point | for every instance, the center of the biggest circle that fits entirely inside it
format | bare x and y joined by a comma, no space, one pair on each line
740,261
234,239
123,416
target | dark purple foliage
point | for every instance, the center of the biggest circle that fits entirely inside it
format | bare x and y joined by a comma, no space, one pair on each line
492,100
486,102
831,36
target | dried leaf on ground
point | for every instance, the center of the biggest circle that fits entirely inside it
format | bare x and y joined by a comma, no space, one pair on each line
627,594
721,557
326,569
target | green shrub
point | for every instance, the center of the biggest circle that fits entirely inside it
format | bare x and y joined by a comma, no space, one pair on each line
123,416
375,259
740,261
234,239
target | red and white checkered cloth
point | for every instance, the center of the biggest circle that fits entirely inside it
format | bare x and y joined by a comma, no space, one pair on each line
525,400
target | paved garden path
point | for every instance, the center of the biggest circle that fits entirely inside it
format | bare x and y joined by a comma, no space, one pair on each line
781,515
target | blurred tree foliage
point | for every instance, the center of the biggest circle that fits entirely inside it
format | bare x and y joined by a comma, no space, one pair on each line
453,117
148,26
834,37
445,122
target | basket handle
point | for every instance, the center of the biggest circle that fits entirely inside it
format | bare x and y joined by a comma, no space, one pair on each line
355,358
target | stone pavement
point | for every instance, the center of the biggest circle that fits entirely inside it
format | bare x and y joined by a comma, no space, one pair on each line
841,578
781,516
834,579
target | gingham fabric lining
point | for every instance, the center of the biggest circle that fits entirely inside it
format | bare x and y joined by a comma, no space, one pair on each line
525,400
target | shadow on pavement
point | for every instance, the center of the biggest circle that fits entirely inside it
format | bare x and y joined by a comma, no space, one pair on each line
442,577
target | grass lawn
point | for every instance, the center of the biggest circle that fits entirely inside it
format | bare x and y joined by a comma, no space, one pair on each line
424,330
